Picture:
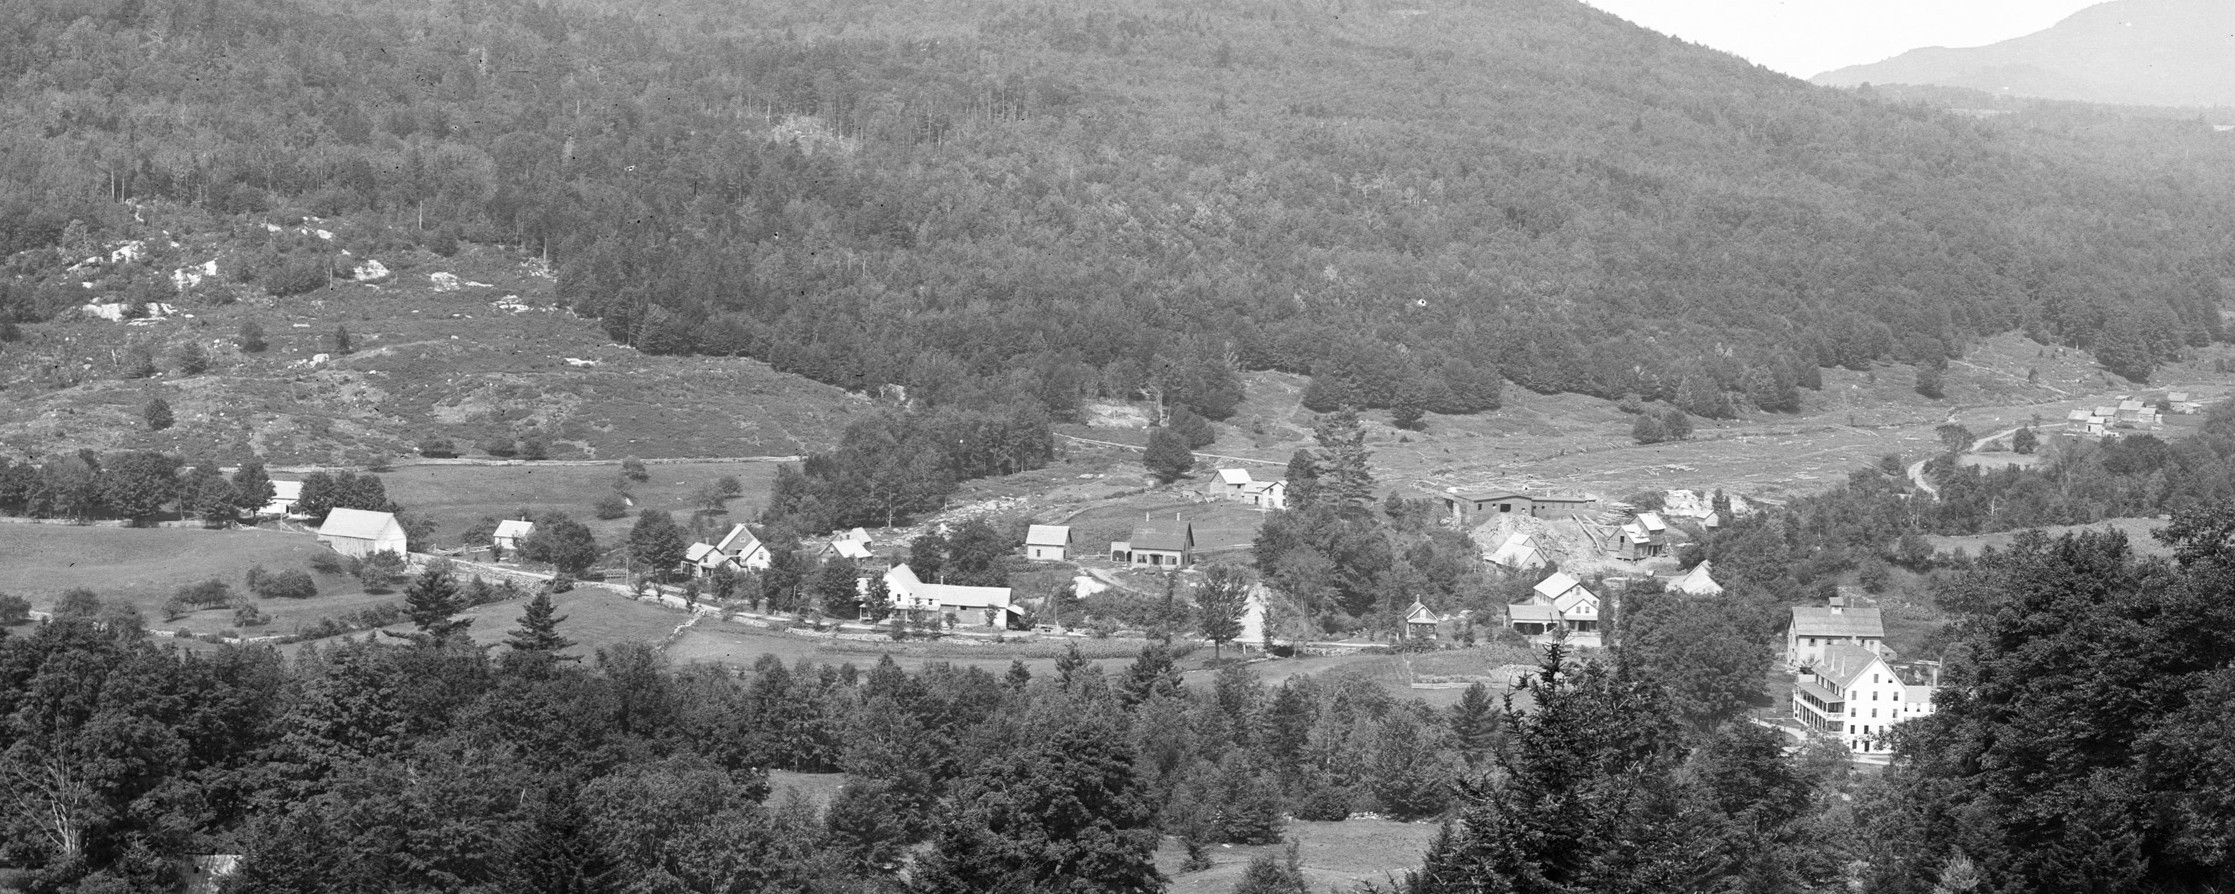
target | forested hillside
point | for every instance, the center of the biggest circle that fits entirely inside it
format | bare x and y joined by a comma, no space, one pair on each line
990,201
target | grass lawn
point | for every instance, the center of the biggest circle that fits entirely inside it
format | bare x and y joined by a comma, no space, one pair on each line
1217,525
1336,856
145,566
458,496
2137,531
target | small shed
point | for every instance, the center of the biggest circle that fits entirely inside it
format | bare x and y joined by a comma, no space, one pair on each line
284,495
358,533
1048,543
510,532
1421,621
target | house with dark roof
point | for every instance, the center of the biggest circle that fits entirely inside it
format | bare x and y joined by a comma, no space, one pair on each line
1818,627
1470,507
1157,545
1852,692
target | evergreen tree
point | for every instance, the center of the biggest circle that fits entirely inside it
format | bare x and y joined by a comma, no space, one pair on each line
341,341
1930,383
1018,676
557,852
158,415
432,603
1269,874
251,339
1344,479
1167,456
1070,664
537,639
1303,480
2024,441
837,588
1474,724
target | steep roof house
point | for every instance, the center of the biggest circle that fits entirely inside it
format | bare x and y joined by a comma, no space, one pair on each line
1853,693
743,547
1644,537
1699,581
1518,553
1559,602
703,558
1421,621
358,533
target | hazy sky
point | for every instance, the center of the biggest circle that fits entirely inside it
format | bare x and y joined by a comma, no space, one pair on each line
1809,37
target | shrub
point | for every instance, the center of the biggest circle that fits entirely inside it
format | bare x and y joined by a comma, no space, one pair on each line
499,447
205,594
193,359
14,610
296,276
248,615
158,415
634,469
561,582
289,584
533,448
729,485
438,448
611,506
326,563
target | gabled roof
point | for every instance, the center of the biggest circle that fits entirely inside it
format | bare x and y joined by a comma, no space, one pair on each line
513,527
1533,613
1560,582
850,549
2078,416
739,541
1167,537
1651,521
1233,476
907,588
1420,613
2131,405
1820,620
1518,552
358,524
856,535
1478,496
1048,535
1263,486
1697,581
1578,603
704,555
1844,662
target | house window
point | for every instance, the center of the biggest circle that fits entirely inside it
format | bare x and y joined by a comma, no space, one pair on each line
1874,695
1873,679
1874,712
1505,507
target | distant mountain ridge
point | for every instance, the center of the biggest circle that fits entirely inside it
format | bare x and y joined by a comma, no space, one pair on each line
2133,52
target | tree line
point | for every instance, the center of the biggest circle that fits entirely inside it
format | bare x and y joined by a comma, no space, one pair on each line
1098,216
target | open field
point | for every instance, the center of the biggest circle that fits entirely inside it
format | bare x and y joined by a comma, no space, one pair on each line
1573,442
2137,531
145,566
428,362
1336,857
457,496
